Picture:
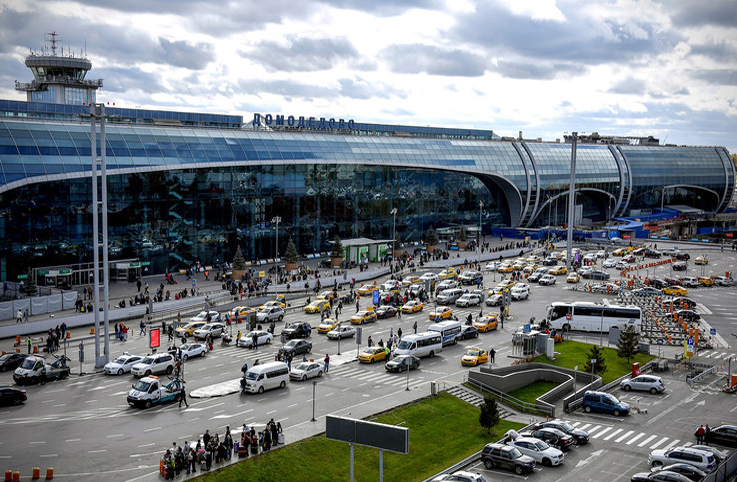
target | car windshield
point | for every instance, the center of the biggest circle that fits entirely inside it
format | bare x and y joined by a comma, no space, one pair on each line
121,359
567,426
251,376
541,445
472,352
5,357
28,363
404,345
186,346
142,386
515,453
206,327
147,361
303,366
291,344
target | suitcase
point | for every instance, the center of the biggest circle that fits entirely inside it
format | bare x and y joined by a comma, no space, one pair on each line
281,438
203,465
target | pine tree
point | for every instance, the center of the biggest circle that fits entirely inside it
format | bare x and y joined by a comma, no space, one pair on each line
600,365
29,287
337,251
290,255
431,237
627,343
462,236
239,262
489,415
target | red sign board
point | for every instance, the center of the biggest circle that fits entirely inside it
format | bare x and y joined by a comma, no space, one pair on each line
625,236
154,337
568,317
730,235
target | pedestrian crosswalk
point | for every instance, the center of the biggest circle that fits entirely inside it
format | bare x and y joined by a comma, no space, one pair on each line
356,372
717,355
631,438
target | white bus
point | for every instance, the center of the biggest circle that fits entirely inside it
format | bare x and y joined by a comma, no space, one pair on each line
592,317
449,330
267,376
421,344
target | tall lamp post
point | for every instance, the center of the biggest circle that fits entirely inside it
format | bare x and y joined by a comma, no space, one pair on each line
394,235
277,220
478,242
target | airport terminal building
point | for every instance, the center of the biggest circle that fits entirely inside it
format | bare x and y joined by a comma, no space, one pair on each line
188,187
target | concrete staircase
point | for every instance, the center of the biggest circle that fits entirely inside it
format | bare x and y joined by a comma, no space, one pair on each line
476,399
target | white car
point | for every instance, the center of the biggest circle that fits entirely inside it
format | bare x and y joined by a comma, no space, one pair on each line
469,299
156,363
621,265
429,277
494,300
342,331
447,284
275,313
647,383
491,266
547,279
611,263
306,370
122,364
212,329
202,316
600,254
262,338
520,292
537,449
723,281
190,350
460,476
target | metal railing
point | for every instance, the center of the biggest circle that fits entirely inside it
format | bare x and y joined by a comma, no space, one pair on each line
513,402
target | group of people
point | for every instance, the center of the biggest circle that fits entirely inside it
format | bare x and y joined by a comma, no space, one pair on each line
702,434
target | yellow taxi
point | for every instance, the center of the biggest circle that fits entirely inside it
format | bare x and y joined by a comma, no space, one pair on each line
241,311
474,356
505,268
411,279
619,252
504,285
531,267
558,270
327,325
364,316
317,306
272,304
372,354
448,273
367,289
329,295
441,312
675,290
412,306
487,323
573,278
701,260
190,328
518,266
705,281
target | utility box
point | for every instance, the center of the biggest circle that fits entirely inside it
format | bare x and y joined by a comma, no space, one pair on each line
550,349
433,388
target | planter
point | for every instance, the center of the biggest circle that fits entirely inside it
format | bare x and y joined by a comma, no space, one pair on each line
398,254
462,244
290,267
431,249
238,274
336,262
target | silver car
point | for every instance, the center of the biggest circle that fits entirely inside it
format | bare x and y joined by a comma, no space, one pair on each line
306,370
646,383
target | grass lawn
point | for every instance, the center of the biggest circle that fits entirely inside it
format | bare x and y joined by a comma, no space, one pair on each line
575,353
531,392
443,430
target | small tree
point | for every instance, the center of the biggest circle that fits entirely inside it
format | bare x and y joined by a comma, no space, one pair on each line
337,251
29,287
239,262
431,237
595,354
397,240
489,415
462,236
290,255
627,343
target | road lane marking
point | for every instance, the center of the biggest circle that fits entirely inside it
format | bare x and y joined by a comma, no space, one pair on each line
613,434
647,440
602,432
656,444
674,442
630,432
153,429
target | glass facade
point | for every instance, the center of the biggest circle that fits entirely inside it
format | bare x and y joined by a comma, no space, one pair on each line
178,195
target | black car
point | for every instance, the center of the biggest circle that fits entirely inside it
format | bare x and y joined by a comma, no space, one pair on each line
295,347
12,395
581,437
659,477
651,253
468,332
596,275
495,455
550,262
680,302
386,311
11,361
647,291
402,363
683,256
693,473
723,435
297,330
659,284
552,436
680,266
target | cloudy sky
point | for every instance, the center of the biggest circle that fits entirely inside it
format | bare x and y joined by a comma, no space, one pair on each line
666,68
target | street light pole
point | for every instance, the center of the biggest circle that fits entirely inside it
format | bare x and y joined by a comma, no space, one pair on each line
277,220
394,236
314,386
478,242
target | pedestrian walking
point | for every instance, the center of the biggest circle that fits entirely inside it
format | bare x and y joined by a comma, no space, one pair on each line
29,343
700,433
143,329
125,331
25,316
327,363
370,342
183,398
414,326
492,354
19,315
357,305
399,333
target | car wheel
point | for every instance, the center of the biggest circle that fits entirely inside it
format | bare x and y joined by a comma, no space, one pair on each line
547,462
177,397
147,373
282,384
489,464
268,341
432,354
653,391
371,360
626,388
120,371
475,335
147,404
281,317
518,470
657,463
169,369
184,358
616,413
304,377
319,374
587,409
260,389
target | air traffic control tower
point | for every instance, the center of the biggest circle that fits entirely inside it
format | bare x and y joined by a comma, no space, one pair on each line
58,79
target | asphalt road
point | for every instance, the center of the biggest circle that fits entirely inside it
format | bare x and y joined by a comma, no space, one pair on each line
82,427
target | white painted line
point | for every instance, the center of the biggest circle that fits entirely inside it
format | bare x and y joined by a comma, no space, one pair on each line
153,429
96,451
602,432
73,440
647,440
674,442
658,443
49,455
585,426
630,432
116,435
613,434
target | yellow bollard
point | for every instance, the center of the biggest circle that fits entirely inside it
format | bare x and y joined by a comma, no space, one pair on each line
92,330
69,334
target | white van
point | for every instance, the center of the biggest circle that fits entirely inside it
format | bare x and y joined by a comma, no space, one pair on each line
449,296
421,344
449,330
267,376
